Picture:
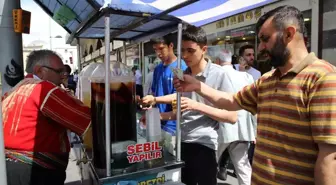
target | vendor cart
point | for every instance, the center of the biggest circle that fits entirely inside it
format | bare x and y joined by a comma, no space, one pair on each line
148,162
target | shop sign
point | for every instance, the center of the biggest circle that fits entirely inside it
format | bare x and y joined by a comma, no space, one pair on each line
247,16
144,152
242,31
21,21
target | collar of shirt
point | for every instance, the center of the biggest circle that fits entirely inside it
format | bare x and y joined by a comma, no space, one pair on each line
310,58
228,67
205,72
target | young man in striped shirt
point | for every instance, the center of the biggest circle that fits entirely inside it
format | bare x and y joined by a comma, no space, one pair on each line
295,106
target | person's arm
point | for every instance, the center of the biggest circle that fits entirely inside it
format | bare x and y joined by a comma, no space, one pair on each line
219,115
224,98
151,100
166,116
325,165
64,109
220,99
244,99
322,100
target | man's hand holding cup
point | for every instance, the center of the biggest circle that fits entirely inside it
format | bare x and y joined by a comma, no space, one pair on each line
147,101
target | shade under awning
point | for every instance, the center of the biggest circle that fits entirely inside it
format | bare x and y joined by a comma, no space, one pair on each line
84,18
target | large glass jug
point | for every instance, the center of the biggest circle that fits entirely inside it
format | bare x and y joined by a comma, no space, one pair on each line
122,113
84,85
84,94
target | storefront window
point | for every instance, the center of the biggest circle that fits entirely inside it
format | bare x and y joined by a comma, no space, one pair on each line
234,39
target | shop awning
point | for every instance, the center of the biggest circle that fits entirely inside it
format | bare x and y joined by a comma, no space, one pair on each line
133,19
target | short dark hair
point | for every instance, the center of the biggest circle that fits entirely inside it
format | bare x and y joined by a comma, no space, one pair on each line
167,39
234,59
282,16
195,34
243,48
134,68
67,68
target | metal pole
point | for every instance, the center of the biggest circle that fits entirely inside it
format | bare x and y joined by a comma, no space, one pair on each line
107,95
124,52
143,60
178,97
79,56
11,63
3,175
140,55
140,51
50,38
256,46
315,27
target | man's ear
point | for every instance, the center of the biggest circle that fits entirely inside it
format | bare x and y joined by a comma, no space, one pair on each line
37,69
171,45
204,49
289,34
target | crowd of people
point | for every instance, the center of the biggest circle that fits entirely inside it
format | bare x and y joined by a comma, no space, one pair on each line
282,119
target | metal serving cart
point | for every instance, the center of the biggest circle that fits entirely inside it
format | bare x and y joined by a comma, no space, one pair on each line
167,168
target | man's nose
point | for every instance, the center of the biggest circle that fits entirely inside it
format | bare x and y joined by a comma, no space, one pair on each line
183,54
261,47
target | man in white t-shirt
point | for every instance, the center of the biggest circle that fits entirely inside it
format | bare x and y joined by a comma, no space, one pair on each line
235,138
247,52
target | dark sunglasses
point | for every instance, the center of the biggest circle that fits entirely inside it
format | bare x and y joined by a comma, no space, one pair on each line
58,71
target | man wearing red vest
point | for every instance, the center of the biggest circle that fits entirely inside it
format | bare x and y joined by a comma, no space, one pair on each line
36,116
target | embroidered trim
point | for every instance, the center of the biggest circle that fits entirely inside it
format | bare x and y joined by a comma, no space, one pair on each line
46,98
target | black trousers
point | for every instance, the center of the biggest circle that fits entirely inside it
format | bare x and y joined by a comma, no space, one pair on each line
24,174
200,164
224,159
251,152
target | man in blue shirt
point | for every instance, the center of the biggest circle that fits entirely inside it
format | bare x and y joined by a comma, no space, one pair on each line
163,77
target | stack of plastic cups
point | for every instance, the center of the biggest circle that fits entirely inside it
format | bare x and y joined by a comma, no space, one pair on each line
153,131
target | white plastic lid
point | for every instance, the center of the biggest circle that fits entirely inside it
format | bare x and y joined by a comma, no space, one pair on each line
119,72
87,70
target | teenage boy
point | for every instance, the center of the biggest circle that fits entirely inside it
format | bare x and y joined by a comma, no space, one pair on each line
199,125
163,77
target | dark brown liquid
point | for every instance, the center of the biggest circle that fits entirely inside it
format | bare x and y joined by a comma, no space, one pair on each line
123,117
